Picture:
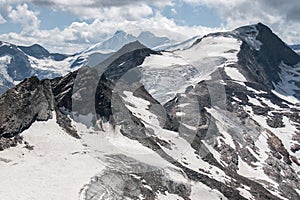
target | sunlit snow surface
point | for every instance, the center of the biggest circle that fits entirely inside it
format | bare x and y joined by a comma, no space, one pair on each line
234,74
57,167
51,66
165,75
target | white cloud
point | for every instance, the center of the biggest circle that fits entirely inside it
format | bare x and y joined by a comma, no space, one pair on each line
131,16
132,12
173,10
2,20
134,16
101,3
81,35
5,9
281,15
27,18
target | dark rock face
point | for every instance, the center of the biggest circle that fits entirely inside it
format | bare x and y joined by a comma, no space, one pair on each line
275,121
6,143
35,100
274,50
263,65
63,89
30,101
254,71
36,51
19,68
122,70
40,52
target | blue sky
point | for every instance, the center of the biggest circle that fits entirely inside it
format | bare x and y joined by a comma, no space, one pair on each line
193,15
72,25
182,13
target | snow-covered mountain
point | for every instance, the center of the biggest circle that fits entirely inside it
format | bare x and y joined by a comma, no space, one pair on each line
216,120
19,62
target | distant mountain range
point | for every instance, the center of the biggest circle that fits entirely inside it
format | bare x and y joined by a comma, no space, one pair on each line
121,38
19,62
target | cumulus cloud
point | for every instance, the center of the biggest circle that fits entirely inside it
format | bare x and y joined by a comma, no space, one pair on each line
2,20
5,9
107,16
281,15
133,12
81,35
101,3
27,18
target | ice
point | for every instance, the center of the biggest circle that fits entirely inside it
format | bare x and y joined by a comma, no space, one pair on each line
168,196
172,72
282,94
167,59
201,191
256,91
234,74
254,101
50,65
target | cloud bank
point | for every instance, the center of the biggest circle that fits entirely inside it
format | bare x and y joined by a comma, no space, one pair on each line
283,16
98,19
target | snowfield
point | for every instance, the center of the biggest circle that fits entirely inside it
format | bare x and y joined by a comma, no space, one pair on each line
175,71
57,168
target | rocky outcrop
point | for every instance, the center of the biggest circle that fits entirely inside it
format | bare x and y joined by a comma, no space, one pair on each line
30,101
22,105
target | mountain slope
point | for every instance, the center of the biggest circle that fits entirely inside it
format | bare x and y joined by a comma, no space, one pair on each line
19,62
212,121
121,38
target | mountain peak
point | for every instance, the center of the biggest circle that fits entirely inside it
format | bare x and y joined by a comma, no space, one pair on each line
35,50
120,32
273,44
134,45
146,34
